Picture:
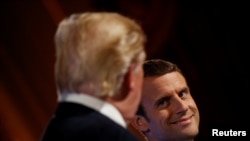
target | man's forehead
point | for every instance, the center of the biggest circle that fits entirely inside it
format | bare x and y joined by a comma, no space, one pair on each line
149,92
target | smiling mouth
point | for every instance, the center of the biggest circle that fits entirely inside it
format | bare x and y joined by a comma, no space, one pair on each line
183,121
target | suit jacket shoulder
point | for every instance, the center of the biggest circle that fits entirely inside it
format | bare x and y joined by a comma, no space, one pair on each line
75,122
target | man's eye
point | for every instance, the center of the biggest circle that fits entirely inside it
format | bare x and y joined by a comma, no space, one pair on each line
162,103
183,94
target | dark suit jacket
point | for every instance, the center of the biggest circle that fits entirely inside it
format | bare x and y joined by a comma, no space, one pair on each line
75,122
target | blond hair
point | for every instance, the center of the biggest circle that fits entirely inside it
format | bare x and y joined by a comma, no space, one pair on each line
94,50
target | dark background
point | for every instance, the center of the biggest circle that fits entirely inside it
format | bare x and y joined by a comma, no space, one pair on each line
207,39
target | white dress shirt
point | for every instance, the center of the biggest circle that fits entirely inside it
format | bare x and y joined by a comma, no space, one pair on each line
103,107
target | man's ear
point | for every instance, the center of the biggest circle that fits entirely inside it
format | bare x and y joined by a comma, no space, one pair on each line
128,86
140,123
129,79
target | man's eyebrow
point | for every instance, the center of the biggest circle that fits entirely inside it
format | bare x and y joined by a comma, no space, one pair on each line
185,89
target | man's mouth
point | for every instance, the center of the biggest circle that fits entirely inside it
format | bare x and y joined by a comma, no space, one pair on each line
183,120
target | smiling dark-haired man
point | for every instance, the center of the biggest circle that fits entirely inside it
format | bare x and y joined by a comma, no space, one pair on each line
167,111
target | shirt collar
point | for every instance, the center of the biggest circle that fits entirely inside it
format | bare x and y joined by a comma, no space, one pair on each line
103,107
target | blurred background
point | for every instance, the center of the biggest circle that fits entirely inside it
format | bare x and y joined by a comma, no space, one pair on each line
207,39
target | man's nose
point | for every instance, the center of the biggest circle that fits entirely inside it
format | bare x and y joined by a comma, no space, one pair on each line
179,106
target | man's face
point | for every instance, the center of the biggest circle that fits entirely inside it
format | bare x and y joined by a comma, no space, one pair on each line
171,110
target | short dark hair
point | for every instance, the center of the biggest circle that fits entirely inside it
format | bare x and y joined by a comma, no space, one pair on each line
156,67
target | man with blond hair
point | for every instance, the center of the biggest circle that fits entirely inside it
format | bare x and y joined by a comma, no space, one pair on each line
98,73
